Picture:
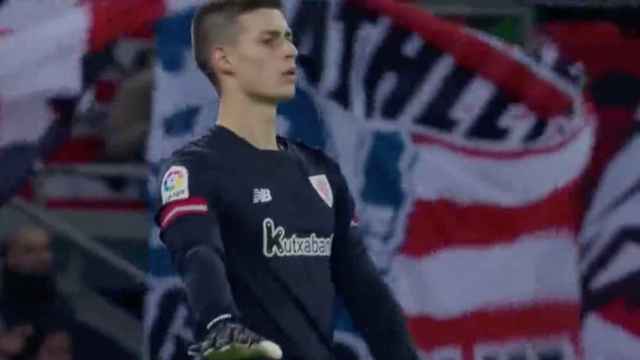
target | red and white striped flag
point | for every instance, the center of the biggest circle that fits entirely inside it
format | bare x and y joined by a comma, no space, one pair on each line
41,48
488,267
611,263
40,58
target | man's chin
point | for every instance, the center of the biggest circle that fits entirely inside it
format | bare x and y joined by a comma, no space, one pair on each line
287,94
276,98
290,95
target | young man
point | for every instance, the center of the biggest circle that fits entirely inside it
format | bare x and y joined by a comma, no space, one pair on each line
260,228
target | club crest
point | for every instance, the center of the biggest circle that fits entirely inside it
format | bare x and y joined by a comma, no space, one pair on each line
322,186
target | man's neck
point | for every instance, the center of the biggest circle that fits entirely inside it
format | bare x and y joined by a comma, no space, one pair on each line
253,121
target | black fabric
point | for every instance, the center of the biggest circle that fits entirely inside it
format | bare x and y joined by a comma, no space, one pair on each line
34,299
368,299
28,288
198,254
279,246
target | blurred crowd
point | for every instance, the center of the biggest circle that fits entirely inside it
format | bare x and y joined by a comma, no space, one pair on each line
108,124
36,321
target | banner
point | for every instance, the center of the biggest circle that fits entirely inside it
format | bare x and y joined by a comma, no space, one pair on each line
611,262
610,266
464,156
37,63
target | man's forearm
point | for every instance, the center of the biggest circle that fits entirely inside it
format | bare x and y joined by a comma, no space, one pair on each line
371,304
201,265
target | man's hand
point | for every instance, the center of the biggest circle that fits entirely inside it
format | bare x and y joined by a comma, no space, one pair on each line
229,340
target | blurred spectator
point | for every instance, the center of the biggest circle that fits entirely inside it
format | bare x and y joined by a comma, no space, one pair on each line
113,113
13,342
110,124
130,117
29,298
56,345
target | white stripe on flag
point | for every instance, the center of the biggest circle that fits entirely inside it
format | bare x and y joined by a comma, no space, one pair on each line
24,120
46,58
605,340
536,268
442,173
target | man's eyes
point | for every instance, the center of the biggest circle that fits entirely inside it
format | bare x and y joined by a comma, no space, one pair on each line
273,40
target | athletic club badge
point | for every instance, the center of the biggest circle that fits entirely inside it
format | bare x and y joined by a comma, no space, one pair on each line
322,186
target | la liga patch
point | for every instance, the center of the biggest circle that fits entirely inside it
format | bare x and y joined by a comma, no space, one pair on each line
175,184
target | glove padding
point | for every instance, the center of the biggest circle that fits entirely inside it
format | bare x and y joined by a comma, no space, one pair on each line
229,340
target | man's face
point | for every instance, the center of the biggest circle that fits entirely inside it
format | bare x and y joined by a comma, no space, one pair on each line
29,252
263,56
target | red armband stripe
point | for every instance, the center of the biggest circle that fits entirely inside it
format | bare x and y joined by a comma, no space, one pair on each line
175,209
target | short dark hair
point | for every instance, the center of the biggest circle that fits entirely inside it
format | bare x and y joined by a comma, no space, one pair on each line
213,24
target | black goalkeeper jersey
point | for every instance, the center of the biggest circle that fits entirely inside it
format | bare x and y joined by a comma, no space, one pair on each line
268,237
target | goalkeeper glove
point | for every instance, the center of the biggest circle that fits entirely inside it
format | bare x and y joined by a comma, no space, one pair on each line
229,340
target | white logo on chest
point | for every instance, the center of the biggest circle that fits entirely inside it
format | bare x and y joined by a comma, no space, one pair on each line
261,196
276,243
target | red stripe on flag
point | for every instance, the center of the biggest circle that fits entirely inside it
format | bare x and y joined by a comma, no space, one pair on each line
112,18
538,320
509,74
176,209
427,139
624,315
435,225
601,46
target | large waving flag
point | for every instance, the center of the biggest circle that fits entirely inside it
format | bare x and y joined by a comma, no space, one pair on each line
40,58
610,265
480,247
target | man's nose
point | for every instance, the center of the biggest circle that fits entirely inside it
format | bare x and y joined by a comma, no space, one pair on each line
291,50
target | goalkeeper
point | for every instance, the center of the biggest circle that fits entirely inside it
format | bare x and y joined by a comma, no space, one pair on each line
259,227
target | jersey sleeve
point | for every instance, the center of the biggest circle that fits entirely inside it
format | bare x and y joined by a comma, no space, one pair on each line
190,229
362,288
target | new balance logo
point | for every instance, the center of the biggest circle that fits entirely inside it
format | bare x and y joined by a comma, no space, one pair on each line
261,196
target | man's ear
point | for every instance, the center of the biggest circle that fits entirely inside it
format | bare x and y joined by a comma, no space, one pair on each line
222,61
